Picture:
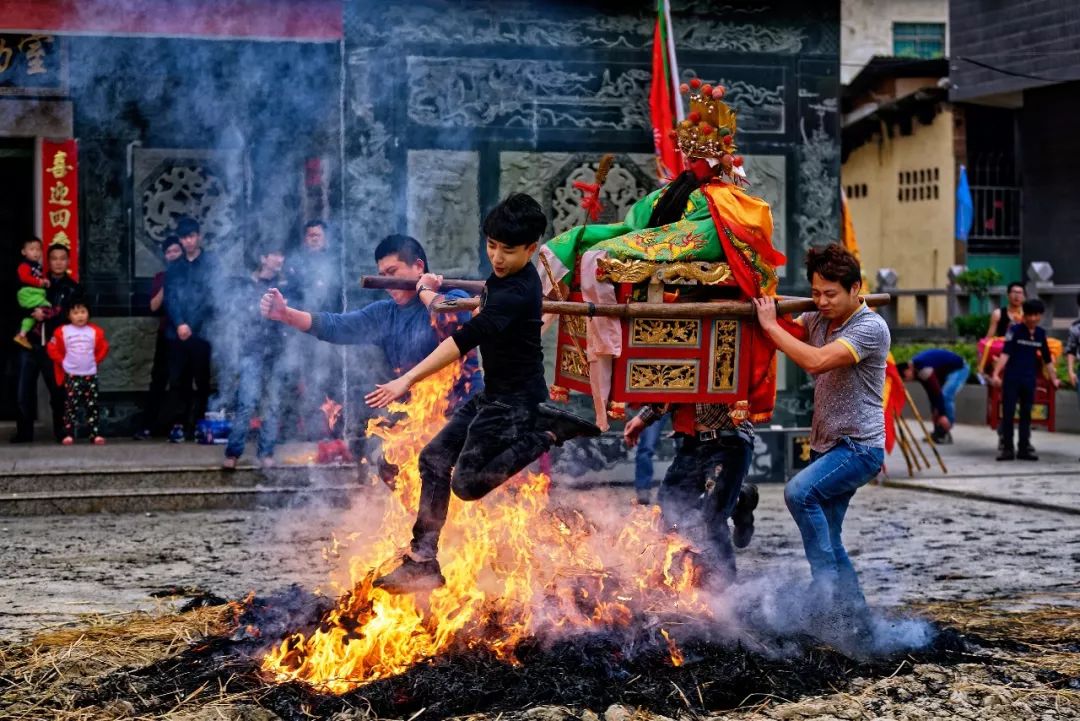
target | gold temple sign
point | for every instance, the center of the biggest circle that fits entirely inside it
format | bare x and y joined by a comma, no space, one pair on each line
58,194
636,271
572,365
59,218
664,332
59,167
725,356
653,375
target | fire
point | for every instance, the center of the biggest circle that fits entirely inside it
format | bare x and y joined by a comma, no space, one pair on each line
516,567
332,410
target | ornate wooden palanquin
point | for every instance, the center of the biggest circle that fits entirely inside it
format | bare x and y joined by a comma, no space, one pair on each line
693,360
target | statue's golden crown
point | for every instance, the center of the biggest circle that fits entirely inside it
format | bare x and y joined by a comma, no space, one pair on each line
709,128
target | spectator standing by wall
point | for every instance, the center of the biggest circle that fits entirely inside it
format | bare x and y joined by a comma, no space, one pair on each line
35,362
189,297
159,371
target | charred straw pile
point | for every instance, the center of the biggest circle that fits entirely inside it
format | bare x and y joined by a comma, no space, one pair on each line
208,659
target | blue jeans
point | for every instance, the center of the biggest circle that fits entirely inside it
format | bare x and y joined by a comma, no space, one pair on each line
643,459
258,381
953,383
818,498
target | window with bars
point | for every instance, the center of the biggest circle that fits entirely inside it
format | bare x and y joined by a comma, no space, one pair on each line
919,40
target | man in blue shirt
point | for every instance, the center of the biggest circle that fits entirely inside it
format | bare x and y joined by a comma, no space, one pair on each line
402,326
942,374
1024,344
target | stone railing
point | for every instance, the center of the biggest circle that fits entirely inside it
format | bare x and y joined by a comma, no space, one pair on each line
959,301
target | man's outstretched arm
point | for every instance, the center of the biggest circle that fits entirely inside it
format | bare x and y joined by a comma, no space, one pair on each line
444,354
810,358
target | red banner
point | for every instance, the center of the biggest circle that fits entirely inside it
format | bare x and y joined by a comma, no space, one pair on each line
60,198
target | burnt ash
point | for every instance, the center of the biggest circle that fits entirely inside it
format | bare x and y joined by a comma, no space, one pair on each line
591,670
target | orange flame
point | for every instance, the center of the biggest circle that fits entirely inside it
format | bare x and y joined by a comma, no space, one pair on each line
516,566
332,410
677,657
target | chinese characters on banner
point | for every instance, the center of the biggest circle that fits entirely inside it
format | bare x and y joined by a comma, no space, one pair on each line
59,198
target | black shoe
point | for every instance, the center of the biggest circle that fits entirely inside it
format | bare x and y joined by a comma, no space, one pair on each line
1027,454
20,439
743,517
564,426
411,576
1006,455
946,439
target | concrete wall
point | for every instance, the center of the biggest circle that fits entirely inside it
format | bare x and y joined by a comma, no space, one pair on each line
914,237
866,28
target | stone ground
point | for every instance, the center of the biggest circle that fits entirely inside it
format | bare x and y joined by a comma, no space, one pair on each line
910,545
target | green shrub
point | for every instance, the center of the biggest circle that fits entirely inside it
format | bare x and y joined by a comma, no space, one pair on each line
972,325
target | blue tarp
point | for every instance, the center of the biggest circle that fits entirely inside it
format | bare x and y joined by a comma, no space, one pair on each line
965,211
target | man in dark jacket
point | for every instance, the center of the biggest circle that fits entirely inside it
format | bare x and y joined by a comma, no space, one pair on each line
189,287
35,361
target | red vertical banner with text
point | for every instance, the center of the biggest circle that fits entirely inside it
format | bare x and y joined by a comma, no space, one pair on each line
60,198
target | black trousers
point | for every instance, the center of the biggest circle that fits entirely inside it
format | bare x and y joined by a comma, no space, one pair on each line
699,493
189,363
1013,391
31,364
485,442
159,383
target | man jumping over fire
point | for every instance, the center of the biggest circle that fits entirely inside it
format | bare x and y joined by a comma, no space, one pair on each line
505,428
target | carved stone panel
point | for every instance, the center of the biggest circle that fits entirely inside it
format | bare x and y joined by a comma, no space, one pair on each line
549,177
459,92
444,208
206,185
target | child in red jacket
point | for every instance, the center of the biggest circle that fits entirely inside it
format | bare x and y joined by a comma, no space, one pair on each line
76,350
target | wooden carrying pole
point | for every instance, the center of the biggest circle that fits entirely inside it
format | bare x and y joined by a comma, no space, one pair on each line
717,309
902,442
385,282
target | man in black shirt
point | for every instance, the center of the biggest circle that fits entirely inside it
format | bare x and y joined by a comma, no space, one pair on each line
502,430
1024,344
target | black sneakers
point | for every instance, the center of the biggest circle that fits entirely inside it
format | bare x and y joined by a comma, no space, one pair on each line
411,576
563,425
743,517
1027,454
1006,454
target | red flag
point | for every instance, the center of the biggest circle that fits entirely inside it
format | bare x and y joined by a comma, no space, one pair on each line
894,399
662,102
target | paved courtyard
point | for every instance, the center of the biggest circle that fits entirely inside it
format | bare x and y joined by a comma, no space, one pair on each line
908,544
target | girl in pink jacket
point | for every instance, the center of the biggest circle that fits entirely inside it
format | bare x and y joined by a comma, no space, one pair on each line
76,349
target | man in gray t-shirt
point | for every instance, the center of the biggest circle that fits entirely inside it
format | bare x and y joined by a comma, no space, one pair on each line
846,350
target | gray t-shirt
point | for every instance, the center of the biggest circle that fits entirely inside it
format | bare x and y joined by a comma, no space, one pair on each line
849,401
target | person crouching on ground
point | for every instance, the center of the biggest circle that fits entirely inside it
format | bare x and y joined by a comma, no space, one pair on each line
942,374
847,350
1015,373
77,348
500,431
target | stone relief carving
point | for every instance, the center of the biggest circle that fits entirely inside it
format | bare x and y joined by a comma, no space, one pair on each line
496,92
549,177
368,207
444,208
522,24
206,185
819,158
